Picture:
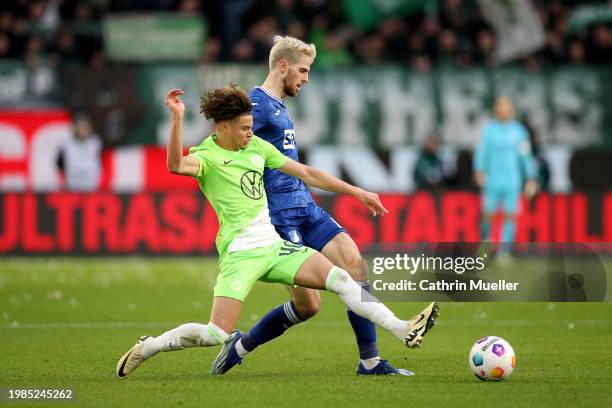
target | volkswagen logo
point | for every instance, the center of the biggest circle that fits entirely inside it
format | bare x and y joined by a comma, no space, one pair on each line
251,184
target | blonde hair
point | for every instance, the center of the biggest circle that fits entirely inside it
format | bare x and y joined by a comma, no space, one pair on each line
291,49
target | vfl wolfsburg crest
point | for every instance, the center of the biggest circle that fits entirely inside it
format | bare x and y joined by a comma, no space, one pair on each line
251,184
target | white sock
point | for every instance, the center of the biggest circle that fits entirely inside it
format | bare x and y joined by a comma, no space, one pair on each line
370,363
341,283
242,352
186,335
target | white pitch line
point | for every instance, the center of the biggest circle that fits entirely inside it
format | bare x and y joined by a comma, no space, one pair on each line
441,322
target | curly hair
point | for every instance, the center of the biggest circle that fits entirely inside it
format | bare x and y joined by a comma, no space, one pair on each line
225,103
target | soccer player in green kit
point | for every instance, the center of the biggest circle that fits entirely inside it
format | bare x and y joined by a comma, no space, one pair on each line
228,166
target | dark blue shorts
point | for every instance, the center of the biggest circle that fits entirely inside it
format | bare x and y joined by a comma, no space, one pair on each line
309,226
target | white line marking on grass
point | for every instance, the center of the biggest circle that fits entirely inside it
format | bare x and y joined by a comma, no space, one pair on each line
323,323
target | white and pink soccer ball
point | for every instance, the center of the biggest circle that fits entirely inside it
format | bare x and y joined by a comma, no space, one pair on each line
492,358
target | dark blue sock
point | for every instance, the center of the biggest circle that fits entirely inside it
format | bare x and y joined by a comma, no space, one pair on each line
271,326
365,331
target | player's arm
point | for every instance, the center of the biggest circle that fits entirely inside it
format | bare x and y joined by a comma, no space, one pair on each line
319,179
480,157
176,162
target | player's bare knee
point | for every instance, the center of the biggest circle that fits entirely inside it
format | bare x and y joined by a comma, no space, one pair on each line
309,306
353,264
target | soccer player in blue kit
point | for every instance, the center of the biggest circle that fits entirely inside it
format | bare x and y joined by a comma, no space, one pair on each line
502,161
298,219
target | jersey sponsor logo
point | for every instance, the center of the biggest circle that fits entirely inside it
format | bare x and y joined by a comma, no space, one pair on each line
294,236
251,184
277,112
227,161
289,140
289,248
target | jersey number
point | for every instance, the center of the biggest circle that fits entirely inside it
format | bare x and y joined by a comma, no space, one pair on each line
289,141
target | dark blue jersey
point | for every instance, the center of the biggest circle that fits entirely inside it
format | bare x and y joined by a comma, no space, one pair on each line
271,122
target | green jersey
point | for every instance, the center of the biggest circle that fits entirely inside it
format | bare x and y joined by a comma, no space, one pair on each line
232,181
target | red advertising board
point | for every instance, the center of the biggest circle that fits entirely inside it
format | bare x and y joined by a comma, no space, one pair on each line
184,223
31,142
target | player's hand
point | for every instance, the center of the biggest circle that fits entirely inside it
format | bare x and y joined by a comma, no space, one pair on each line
173,102
372,202
479,178
531,188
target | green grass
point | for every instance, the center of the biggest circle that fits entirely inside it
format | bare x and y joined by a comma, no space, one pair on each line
65,322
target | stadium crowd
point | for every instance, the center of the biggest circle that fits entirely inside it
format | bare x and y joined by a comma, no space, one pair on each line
445,31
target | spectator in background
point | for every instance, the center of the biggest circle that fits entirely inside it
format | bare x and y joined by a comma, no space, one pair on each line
370,49
554,47
600,44
40,67
452,32
331,45
67,48
285,13
261,34
485,51
5,46
419,58
448,47
429,169
189,7
394,34
81,157
243,51
576,52
297,29
212,50
332,51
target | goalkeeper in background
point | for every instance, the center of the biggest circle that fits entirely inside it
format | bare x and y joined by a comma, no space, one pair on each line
502,160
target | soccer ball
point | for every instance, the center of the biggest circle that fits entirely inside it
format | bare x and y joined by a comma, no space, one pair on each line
492,358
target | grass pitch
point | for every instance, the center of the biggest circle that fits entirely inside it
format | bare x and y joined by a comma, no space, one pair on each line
65,322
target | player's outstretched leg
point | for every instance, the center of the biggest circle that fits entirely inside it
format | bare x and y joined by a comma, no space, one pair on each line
186,335
342,251
318,273
132,358
223,318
